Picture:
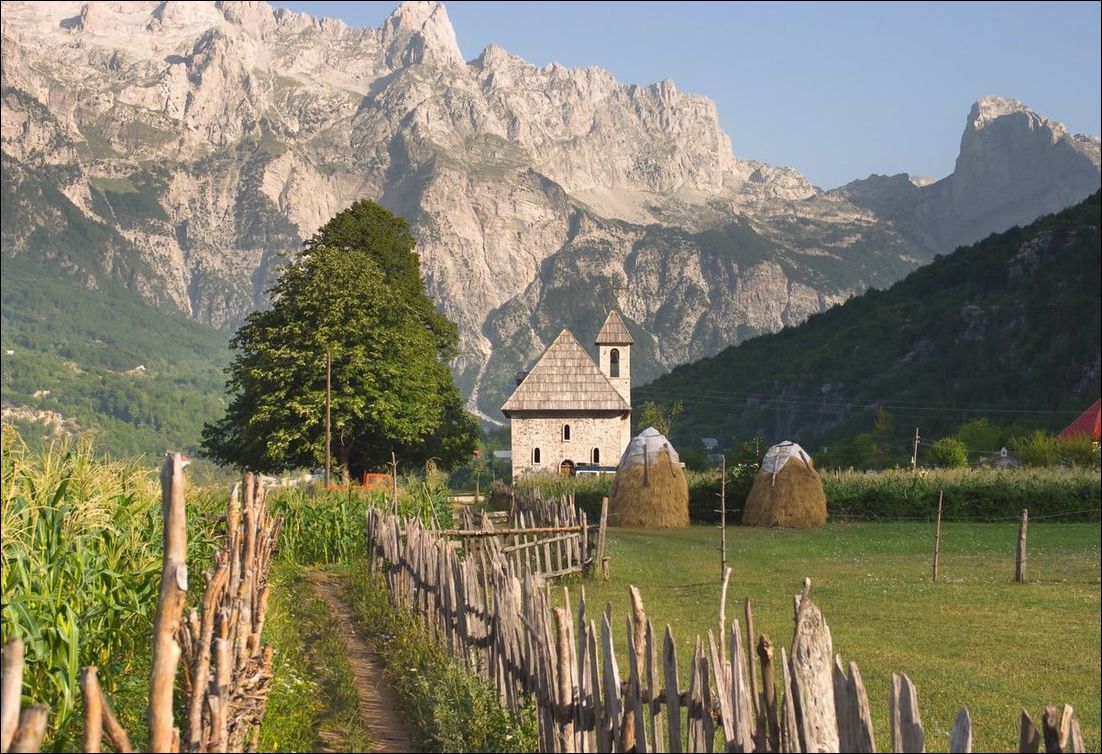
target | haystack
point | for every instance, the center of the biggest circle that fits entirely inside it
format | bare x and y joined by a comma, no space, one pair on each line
650,489
787,491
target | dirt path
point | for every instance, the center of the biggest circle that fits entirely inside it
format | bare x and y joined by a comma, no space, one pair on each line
378,700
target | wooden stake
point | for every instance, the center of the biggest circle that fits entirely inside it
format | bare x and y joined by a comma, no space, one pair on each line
32,729
393,483
723,528
769,691
1020,560
937,535
12,689
170,605
93,710
723,613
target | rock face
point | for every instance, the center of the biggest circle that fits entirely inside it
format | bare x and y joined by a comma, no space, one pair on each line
1014,165
195,144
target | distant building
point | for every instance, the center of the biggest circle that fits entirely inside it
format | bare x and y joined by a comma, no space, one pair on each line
569,414
1089,423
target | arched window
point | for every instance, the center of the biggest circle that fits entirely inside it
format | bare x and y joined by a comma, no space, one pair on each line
614,362
535,455
565,432
595,456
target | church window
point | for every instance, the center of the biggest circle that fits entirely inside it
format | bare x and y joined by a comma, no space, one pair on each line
614,362
565,432
535,455
596,455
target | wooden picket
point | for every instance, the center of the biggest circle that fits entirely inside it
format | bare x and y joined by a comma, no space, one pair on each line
494,610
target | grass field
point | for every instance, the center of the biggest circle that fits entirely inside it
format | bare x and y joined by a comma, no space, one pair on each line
976,638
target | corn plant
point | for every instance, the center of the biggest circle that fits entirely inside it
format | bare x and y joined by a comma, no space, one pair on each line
81,571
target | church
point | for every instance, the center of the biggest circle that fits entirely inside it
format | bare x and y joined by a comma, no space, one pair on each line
569,414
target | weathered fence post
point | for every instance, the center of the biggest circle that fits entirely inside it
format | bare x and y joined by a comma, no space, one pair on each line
960,740
170,606
1019,565
602,561
12,689
723,571
937,534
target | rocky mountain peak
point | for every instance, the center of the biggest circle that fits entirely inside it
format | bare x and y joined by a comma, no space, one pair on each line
420,32
987,109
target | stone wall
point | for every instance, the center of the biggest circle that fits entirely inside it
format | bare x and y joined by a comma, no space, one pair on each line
609,434
623,382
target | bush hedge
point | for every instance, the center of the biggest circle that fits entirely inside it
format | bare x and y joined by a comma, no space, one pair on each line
1068,494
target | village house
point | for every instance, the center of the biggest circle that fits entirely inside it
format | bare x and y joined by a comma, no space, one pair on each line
569,415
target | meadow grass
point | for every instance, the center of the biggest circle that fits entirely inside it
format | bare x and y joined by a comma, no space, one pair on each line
976,638
313,704
446,705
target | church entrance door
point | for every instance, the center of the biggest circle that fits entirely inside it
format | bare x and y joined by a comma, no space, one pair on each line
566,468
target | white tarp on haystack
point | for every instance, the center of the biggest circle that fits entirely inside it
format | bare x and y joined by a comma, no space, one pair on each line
780,454
644,448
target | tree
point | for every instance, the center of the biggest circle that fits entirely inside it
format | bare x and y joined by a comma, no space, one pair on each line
981,436
659,416
355,292
950,453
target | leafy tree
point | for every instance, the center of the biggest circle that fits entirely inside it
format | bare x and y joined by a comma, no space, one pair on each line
659,415
882,430
355,293
949,452
980,435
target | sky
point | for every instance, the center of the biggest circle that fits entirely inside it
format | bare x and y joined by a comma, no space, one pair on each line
836,90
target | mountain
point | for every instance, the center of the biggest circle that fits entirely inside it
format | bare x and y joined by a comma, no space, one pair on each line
1014,165
1008,329
204,141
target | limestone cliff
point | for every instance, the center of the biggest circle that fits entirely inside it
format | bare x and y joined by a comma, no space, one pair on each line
204,141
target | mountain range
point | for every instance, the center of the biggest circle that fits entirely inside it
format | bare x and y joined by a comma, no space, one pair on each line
1008,329
181,150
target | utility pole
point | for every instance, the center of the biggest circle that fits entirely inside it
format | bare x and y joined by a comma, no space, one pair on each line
328,416
914,453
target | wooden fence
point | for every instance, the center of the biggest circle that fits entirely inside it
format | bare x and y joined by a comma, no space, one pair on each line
227,670
552,540
741,696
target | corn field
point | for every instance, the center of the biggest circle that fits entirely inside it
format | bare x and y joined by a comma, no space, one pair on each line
81,570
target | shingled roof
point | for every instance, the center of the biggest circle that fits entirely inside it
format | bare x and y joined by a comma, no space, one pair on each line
614,332
565,379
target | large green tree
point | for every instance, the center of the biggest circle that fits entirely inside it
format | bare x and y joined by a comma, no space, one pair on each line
355,293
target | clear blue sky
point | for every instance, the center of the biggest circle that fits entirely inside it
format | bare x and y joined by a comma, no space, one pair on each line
836,90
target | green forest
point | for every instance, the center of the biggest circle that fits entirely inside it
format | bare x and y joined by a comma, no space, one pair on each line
85,348
1006,331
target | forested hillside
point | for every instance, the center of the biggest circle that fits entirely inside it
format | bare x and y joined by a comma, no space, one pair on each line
104,361
1006,329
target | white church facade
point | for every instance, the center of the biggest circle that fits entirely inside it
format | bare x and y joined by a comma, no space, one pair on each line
569,414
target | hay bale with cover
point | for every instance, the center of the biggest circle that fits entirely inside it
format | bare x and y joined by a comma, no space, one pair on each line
787,491
650,489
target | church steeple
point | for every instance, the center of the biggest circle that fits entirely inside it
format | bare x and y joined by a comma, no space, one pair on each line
614,345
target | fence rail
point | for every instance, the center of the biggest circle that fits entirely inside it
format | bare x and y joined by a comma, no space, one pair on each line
499,617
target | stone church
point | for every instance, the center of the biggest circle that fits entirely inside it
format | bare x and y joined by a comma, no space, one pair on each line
569,414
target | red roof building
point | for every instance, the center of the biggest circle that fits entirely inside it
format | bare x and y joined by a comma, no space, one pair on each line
1089,423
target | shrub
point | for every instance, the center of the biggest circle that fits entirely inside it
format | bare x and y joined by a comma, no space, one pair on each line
1038,448
1079,450
977,494
950,453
